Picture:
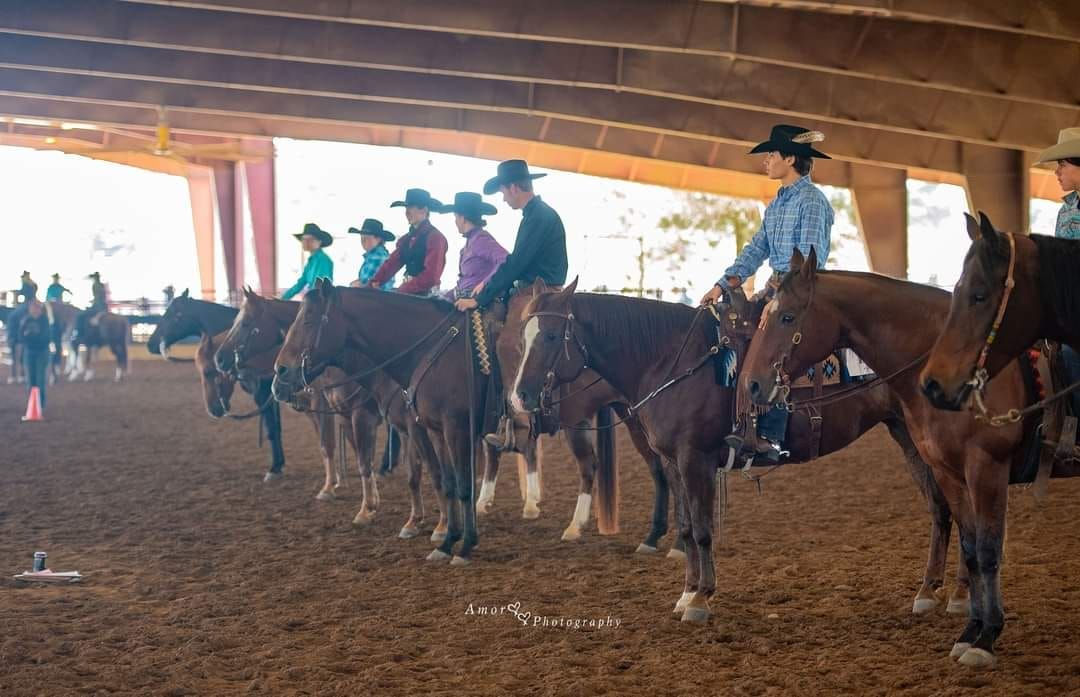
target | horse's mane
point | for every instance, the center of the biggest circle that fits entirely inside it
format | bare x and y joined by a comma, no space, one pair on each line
1059,262
408,303
651,324
215,313
925,293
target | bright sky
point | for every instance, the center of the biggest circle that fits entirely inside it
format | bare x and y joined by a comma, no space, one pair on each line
72,215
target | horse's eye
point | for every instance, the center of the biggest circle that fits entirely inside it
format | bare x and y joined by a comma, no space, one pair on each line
551,336
978,297
787,318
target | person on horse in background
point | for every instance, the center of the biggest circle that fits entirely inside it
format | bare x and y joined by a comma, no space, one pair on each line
27,289
1066,155
422,251
373,238
55,292
539,252
35,335
319,265
99,306
800,217
27,295
482,253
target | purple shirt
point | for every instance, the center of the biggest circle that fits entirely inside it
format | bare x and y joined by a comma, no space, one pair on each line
480,258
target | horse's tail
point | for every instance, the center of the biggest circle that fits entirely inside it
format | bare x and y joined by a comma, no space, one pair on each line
607,474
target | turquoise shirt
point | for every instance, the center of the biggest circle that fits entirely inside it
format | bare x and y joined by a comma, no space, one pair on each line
318,265
1068,219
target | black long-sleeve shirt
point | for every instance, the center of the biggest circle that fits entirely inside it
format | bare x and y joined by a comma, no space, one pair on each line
34,332
539,252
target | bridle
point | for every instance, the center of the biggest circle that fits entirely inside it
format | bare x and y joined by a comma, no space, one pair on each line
782,379
240,345
568,335
980,376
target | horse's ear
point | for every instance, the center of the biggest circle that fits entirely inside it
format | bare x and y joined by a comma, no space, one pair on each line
185,293
809,267
972,226
539,287
572,288
986,227
797,260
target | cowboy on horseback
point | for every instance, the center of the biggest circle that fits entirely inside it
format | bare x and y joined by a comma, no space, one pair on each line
800,217
373,238
539,252
55,291
1066,153
482,254
319,265
422,251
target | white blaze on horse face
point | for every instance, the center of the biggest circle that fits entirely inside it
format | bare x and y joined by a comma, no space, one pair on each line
532,330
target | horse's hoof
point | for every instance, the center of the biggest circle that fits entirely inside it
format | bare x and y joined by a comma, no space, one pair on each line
571,535
272,476
682,602
676,554
408,533
460,561
978,658
530,513
958,607
437,537
695,615
438,555
324,495
645,549
363,518
959,649
921,606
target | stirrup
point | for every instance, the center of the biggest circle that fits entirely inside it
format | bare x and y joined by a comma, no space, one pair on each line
503,439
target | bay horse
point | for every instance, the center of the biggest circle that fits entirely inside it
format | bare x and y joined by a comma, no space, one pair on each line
419,342
109,330
250,347
637,345
587,400
892,324
1014,290
63,322
186,317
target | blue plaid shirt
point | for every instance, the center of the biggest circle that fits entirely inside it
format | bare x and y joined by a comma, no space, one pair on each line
1068,219
800,216
372,261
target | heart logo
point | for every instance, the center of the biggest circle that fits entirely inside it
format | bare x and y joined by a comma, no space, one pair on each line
524,617
514,607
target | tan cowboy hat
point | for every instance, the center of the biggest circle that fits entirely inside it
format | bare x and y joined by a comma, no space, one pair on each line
1068,145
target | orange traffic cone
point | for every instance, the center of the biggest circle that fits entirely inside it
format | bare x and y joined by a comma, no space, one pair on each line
33,406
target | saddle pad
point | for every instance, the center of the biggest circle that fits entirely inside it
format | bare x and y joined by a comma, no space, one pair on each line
830,373
855,366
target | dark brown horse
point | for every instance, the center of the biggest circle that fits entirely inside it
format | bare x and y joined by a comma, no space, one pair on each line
109,330
186,317
250,348
1031,281
421,341
635,345
891,324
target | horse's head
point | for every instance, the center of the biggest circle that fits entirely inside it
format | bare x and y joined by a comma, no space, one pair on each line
217,386
315,340
252,341
177,323
971,349
798,331
553,353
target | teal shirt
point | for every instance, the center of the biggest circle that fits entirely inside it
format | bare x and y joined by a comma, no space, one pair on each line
1068,219
318,265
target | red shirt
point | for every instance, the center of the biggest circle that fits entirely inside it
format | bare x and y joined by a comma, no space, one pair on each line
434,262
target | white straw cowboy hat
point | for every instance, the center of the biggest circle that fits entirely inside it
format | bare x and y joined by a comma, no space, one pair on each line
1068,145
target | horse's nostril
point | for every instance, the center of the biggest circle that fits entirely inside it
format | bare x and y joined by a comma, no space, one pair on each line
282,371
931,387
755,387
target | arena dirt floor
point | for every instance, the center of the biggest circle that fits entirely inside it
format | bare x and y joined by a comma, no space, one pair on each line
202,580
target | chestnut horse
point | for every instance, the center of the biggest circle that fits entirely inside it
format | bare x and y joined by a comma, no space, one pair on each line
635,345
250,348
1015,290
892,324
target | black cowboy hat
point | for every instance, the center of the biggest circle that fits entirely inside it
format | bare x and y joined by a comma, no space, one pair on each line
418,198
56,275
317,232
374,228
509,172
792,140
96,274
470,205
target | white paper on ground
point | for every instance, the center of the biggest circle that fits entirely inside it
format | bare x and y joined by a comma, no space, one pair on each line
48,575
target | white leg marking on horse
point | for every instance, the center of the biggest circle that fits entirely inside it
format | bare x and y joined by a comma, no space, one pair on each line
487,496
580,519
532,496
532,330
683,601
